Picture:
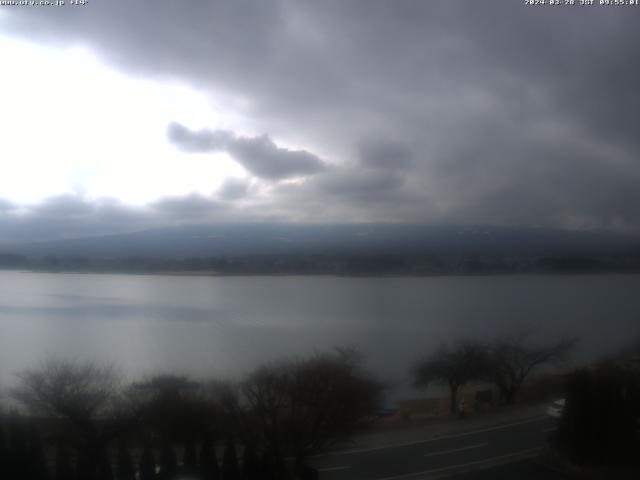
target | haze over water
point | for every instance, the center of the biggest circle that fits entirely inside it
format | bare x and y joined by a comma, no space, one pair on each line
224,326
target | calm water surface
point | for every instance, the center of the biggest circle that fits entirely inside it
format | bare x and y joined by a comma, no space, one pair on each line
224,326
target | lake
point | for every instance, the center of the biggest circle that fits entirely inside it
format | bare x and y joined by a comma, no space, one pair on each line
224,326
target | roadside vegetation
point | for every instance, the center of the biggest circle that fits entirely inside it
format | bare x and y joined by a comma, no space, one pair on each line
82,422
600,423
505,362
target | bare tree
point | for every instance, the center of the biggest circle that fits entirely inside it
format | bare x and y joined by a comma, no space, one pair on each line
513,358
300,406
80,393
174,406
329,395
452,366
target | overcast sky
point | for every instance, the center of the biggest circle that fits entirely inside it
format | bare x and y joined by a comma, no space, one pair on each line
126,114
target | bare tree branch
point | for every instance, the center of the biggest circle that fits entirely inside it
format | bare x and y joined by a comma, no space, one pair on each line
453,366
513,358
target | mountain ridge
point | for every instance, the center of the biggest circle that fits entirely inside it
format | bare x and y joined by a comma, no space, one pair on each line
335,239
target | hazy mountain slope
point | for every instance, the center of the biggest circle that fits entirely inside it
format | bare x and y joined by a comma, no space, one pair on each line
278,239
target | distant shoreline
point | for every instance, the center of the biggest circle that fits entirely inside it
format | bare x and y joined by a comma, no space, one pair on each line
213,273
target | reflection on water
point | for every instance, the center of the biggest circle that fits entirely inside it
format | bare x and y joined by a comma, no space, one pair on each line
224,326
114,311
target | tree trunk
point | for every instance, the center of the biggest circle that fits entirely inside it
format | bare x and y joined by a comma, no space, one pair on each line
510,391
509,396
453,405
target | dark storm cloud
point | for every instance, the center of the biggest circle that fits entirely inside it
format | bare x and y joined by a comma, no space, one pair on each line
355,183
490,112
265,159
233,189
384,154
200,141
259,155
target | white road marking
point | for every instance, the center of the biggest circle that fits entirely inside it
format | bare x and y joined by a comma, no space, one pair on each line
333,469
444,452
462,465
434,439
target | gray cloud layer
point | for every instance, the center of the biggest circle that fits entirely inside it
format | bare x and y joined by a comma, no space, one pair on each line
449,110
258,155
69,216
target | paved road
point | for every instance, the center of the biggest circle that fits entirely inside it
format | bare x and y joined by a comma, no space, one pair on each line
529,469
441,456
